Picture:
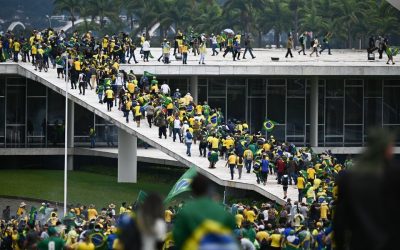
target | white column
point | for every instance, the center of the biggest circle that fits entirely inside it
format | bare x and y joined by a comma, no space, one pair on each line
194,88
314,112
70,143
127,159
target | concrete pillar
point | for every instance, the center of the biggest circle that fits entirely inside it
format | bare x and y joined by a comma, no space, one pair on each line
70,142
314,112
127,158
194,88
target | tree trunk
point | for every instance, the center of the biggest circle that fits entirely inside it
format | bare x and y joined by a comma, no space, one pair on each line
296,28
259,38
161,33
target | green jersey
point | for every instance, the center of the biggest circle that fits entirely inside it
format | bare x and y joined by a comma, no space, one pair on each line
52,243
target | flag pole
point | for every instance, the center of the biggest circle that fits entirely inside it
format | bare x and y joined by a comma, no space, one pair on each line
66,137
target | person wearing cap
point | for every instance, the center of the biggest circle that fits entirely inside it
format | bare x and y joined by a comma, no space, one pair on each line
21,211
53,242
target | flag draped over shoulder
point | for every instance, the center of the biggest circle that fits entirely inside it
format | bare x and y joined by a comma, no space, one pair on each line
268,125
182,185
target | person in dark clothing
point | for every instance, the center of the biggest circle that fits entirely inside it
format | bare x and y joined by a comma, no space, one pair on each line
247,45
366,216
280,168
6,213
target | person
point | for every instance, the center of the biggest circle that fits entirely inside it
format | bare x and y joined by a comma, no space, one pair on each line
203,52
16,49
314,45
289,46
127,109
162,124
264,170
188,142
203,223
303,41
214,45
177,129
166,52
109,98
236,49
276,240
82,83
138,114
390,52
92,135
53,242
185,49
165,90
326,45
6,213
146,50
248,159
231,162
285,183
150,113
132,48
300,187
247,45
21,211
239,165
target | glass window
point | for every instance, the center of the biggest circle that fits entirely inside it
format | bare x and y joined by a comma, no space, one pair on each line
55,134
295,116
353,135
100,120
276,82
56,108
373,88
16,105
16,81
202,81
278,132
333,141
257,113
334,116
334,87
394,128
236,81
83,121
36,117
217,102
321,105
236,102
276,104
392,82
15,136
2,86
216,87
2,116
256,87
372,113
296,87
321,135
354,82
36,89
354,105
391,105
202,94
181,84
296,140
104,131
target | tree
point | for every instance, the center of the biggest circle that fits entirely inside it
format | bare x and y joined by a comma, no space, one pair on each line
72,7
278,14
104,9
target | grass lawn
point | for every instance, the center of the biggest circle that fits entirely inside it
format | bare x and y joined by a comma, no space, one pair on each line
83,187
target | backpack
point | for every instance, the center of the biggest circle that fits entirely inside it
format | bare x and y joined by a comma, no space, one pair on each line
240,160
189,136
285,180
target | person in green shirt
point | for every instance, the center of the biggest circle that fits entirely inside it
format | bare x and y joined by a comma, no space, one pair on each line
53,242
202,222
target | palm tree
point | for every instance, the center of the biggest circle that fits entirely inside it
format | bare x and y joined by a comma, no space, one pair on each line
278,14
72,7
244,10
294,7
104,9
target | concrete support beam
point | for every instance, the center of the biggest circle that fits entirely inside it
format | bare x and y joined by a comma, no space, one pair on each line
127,157
314,112
395,3
71,129
194,88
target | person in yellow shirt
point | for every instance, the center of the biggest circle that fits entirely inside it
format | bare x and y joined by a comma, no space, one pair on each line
239,220
250,216
239,165
184,49
262,236
276,240
138,114
232,163
324,211
311,175
86,244
92,212
300,186
109,98
214,141
128,108
248,159
122,209
168,215
16,49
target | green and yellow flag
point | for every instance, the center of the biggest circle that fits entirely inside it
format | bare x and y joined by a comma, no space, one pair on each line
268,125
182,185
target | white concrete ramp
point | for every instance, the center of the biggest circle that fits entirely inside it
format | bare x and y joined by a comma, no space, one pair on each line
176,150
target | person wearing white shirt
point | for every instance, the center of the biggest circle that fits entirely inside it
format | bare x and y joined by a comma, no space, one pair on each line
177,129
165,88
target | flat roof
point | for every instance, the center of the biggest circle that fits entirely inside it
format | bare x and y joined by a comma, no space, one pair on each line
340,63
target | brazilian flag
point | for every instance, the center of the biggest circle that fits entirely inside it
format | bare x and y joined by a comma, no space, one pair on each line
213,119
182,185
148,74
268,125
141,197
